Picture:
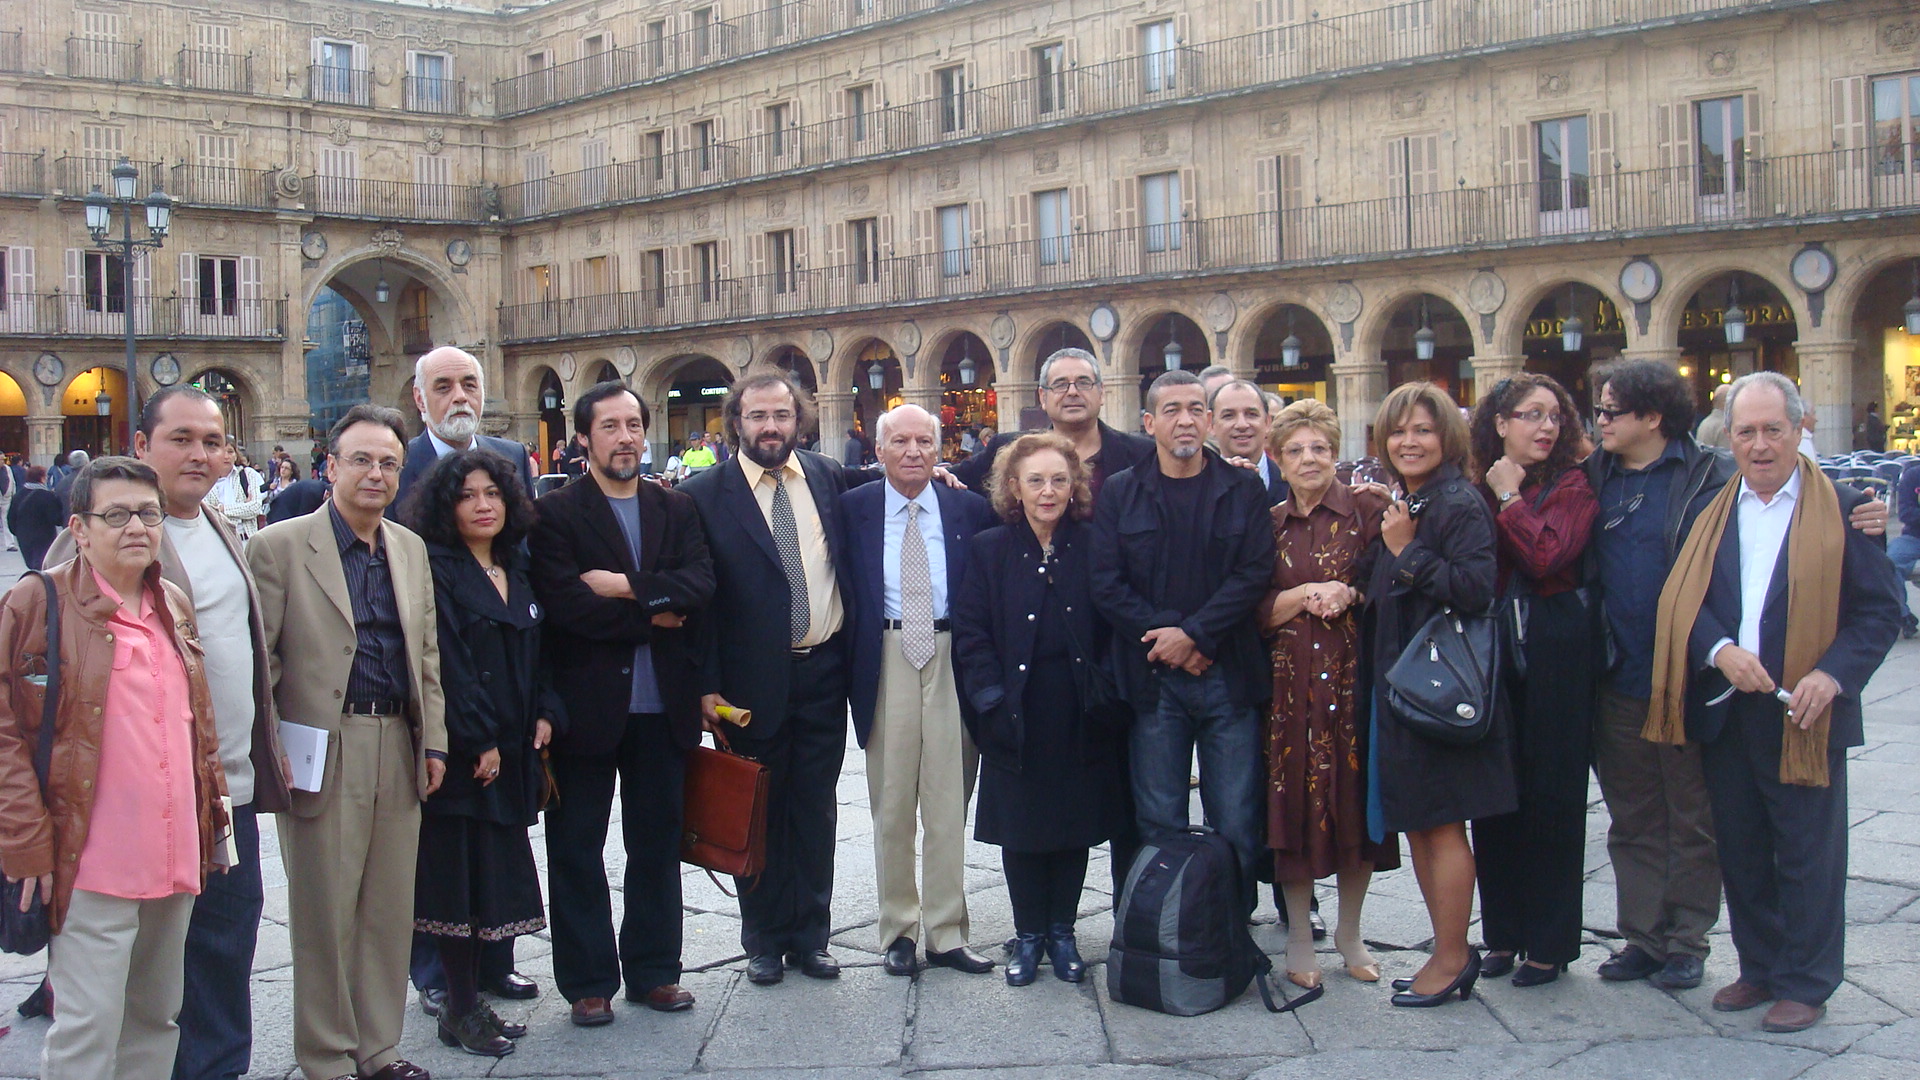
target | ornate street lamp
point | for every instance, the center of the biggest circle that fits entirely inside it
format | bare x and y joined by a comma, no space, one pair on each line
1912,308
382,292
1290,345
1735,320
877,375
1573,331
1423,337
100,208
967,368
1173,353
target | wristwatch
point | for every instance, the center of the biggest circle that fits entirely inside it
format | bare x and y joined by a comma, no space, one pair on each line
1507,498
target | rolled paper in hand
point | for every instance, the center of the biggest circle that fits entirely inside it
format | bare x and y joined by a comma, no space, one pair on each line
735,716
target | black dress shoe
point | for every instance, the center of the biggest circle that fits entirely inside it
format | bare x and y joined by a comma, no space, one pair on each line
1629,964
1681,972
900,959
432,1001
765,969
512,986
504,1027
1023,960
1461,984
473,1034
1064,953
1497,964
960,959
1533,975
818,964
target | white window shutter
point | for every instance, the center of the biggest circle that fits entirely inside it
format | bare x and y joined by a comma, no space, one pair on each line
757,254
837,244
1126,200
23,306
252,317
1756,131
1019,217
1190,191
188,310
1077,207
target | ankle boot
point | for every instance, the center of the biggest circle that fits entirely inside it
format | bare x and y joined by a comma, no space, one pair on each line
1064,952
1024,961
474,1033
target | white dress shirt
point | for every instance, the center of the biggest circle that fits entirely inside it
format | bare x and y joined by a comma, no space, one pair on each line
1763,537
895,532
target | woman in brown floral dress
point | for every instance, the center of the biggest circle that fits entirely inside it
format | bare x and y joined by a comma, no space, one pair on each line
1316,760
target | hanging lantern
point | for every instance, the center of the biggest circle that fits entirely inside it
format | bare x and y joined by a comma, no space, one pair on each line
1423,337
1290,345
876,376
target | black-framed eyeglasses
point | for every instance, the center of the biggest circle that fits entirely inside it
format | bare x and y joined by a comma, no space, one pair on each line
1605,413
118,516
1082,384
1623,510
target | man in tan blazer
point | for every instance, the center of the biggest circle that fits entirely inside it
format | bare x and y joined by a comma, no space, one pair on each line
351,641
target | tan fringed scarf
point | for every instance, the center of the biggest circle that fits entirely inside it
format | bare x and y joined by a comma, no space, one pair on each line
1816,544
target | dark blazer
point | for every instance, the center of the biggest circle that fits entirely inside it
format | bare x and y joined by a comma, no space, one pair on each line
298,499
589,645
743,635
421,454
962,514
1277,489
35,518
1450,563
1119,452
496,687
1132,547
994,627
1870,617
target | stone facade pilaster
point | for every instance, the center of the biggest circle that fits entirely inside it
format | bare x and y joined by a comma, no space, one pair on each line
1826,380
1362,384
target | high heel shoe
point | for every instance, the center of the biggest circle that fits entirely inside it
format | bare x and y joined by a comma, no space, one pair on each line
1532,975
1463,982
1023,962
1366,973
1497,964
1305,980
1064,953
473,1033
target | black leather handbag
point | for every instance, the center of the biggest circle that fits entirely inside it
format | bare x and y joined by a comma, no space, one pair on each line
1444,683
26,932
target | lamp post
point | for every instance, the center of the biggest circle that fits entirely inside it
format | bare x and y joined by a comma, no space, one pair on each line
100,208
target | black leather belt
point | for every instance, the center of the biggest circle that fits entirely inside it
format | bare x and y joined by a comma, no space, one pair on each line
372,708
940,626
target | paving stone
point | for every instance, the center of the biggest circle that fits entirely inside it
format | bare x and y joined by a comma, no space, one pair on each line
1244,1027
709,940
1899,1040
1659,1059
1075,1072
780,1026
1897,983
978,1020
1874,902
1858,1066
1463,1063
1879,860
639,1040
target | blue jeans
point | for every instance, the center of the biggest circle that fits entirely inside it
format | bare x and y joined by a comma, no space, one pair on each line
1904,550
216,1013
1200,712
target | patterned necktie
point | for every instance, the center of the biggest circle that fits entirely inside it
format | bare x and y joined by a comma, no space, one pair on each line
916,594
786,539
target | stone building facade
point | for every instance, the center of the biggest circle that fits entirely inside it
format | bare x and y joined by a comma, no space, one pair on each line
918,199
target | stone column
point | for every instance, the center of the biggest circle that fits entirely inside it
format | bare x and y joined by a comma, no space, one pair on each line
1826,381
44,435
1362,384
836,416
1666,354
927,397
1014,397
1488,370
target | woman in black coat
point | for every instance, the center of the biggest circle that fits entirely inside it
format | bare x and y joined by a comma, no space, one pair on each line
1050,780
1436,549
476,879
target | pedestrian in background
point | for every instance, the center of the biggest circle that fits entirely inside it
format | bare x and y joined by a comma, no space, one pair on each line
36,517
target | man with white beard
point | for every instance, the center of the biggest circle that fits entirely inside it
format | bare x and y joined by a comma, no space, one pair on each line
449,389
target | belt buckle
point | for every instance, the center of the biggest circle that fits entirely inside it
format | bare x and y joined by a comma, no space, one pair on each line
799,651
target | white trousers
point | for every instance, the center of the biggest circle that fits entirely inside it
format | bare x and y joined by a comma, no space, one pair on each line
117,969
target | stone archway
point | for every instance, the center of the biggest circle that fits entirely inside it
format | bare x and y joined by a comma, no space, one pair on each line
1730,324
1569,327
1168,340
93,407
1426,338
238,399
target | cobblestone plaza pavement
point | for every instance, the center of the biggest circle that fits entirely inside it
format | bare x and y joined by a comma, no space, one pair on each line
868,1026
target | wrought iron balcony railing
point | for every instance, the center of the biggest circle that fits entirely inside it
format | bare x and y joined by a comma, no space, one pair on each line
1759,192
94,314
416,334
219,185
97,58
339,85
209,69
398,200
77,175
428,95
23,174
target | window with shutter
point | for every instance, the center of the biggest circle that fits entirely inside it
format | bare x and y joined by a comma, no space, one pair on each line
952,87
537,188
593,172
706,258
956,249
703,144
780,255
865,234
1160,211
1563,173
337,181
653,272
434,194
215,180
1292,205
859,101
1720,149
22,303
1052,219
1895,153
1159,57
1049,78
252,321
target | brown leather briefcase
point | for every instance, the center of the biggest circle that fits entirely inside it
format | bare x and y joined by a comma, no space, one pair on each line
725,822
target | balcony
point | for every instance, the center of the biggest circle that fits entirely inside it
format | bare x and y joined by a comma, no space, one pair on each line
1842,185
446,97
84,315
207,69
217,185
416,334
75,176
11,56
1311,52
97,58
339,85
397,200
23,174
775,26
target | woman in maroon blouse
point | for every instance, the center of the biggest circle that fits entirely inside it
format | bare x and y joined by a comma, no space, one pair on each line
1316,802
1526,442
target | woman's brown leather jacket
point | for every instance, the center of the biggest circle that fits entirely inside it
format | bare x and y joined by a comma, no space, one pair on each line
46,836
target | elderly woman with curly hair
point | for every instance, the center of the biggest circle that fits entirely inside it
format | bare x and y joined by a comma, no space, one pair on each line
476,879
1316,727
1532,862
1051,780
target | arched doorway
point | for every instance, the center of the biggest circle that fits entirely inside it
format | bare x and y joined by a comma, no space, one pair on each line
600,371
339,360
790,359
1061,335
877,383
695,397
551,399
968,402
224,388
13,417
1735,324
1887,364
1292,354
1172,342
1427,339
94,405
1579,316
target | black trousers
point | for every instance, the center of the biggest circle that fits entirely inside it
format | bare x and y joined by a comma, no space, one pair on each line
790,909
1532,862
1044,887
1783,856
651,770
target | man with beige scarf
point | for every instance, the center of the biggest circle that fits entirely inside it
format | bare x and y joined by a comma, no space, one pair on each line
1773,619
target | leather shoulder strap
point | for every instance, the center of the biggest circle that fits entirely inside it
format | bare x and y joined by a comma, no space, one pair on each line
50,709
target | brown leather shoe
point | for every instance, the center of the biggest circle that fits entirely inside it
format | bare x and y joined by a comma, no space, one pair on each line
1739,996
669,998
399,1070
592,1012
1787,1015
